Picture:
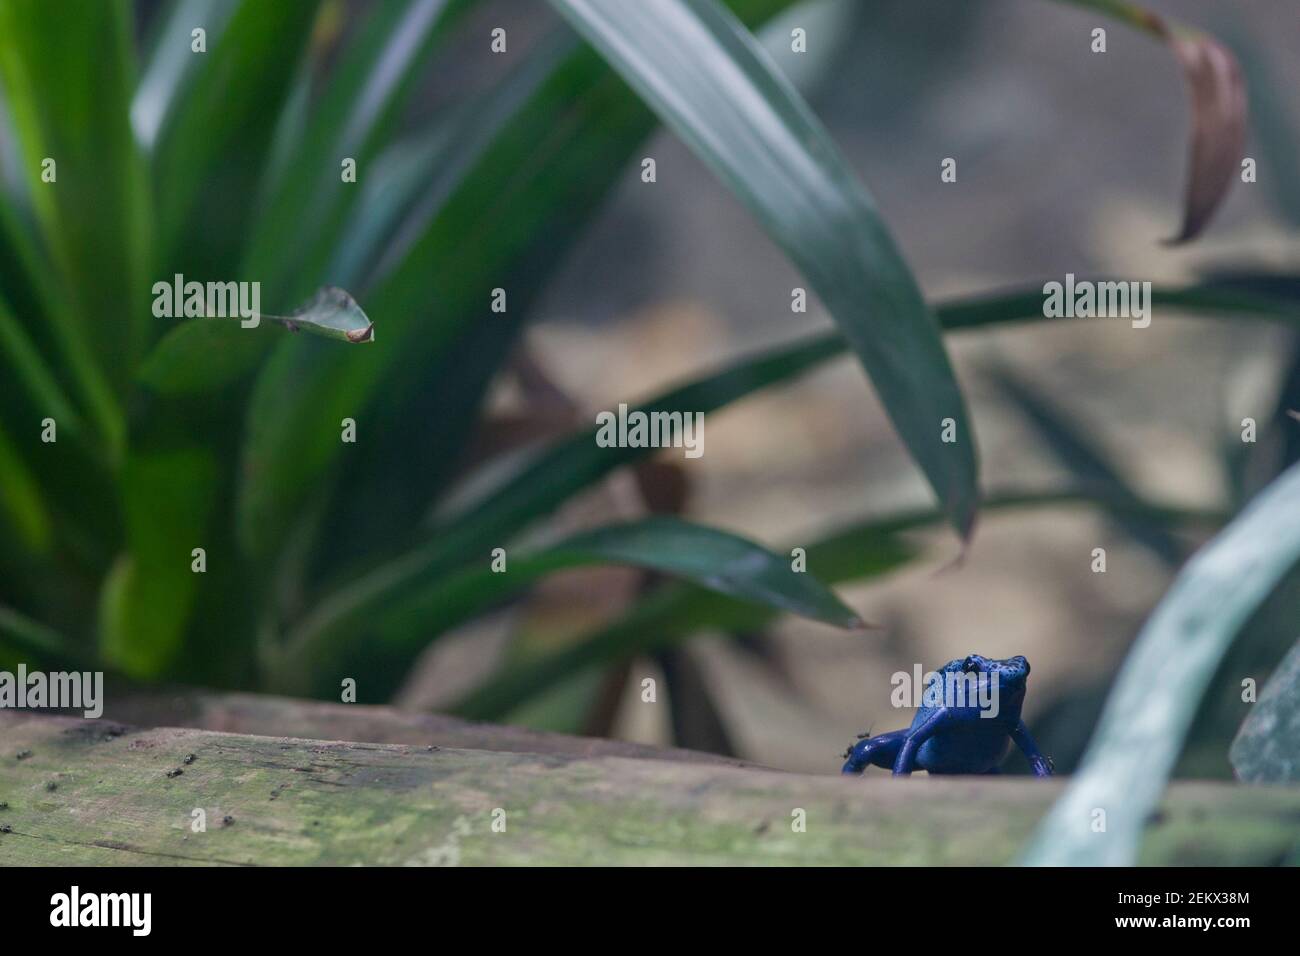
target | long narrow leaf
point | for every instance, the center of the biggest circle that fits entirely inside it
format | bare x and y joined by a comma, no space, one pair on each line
68,82
526,164
562,471
24,364
173,63
364,92
716,560
709,81
577,462
148,598
23,512
40,320
676,612
212,140
512,211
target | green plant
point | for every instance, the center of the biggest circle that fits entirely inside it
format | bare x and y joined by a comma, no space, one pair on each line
321,560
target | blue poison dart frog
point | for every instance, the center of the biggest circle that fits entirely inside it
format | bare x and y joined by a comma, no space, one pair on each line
969,715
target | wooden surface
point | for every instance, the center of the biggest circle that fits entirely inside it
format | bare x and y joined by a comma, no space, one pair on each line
95,792
271,716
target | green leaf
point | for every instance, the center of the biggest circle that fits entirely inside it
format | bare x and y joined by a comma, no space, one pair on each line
417,444
676,612
575,463
1267,748
365,90
24,364
389,199
559,473
149,594
719,561
173,64
213,140
665,618
710,82
443,278
202,355
1266,296
22,507
38,320
422,423
393,199
1157,693
519,190
67,83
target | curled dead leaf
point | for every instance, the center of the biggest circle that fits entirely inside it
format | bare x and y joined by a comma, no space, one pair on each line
1218,97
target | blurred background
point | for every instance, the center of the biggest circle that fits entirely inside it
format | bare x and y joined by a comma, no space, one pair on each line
1068,161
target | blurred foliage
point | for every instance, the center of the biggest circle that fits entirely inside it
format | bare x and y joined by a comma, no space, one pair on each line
327,559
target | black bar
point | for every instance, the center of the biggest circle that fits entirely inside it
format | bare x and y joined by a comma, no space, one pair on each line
332,906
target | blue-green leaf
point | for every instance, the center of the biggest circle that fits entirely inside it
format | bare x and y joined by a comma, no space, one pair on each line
1163,679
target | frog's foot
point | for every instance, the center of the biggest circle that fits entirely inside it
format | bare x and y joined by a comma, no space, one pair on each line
1041,765
878,751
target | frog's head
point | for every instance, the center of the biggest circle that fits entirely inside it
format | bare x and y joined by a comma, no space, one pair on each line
1010,674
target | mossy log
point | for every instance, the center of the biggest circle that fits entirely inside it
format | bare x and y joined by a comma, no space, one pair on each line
270,716
95,792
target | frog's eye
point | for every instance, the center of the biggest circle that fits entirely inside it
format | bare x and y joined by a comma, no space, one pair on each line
970,664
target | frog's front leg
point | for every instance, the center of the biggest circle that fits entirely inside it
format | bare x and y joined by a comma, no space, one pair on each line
917,736
878,751
1038,762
